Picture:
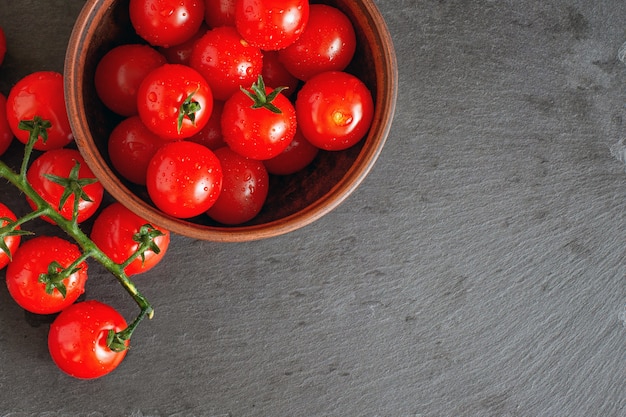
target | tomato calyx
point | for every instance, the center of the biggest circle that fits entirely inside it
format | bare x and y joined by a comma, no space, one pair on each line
188,109
55,276
8,230
260,98
73,185
146,239
37,127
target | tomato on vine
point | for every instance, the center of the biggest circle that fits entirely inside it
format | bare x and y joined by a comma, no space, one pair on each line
120,233
43,276
12,240
166,22
6,135
271,24
174,101
81,340
63,179
258,123
39,98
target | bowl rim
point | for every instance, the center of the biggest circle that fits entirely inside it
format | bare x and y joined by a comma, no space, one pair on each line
386,95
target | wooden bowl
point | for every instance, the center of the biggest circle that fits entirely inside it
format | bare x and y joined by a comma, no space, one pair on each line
294,201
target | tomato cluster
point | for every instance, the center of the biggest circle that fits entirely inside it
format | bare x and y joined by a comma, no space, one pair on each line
215,101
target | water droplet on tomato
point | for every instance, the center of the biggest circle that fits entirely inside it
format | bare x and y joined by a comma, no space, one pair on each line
152,96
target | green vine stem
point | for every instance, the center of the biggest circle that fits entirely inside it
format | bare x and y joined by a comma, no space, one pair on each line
37,128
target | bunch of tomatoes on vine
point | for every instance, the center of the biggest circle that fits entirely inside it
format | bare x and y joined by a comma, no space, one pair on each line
213,98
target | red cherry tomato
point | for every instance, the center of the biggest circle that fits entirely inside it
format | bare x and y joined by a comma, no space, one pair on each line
226,61
299,154
6,134
61,163
3,45
166,22
219,13
120,72
184,179
271,24
334,110
77,340
174,101
180,54
42,255
118,232
276,75
40,94
131,146
211,135
12,241
327,43
260,132
244,188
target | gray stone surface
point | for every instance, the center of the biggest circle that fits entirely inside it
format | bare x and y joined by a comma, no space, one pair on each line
478,271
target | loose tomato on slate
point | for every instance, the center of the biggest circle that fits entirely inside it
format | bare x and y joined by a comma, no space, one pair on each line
12,241
131,146
166,22
3,45
327,43
334,110
53,292
6,134
120,72
118,232
298,155
53,170
271,24
184,179
226,61
244,188
174,101
40,95
77,340
258,123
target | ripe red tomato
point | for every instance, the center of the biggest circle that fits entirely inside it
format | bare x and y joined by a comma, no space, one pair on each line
184,179
40,94
276,75
6,135
226,61
131,146
271,24
166,22
211,135
120,72
12,241
219,13
181,53
42,255
328,43
174,101
118,233
77,340
244,188
62,163
3,45
334,110
299,154
258,123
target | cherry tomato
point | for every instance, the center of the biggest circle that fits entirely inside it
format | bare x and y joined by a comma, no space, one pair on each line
226,61
276,75
11,241
244,188
120,72
211,135
327,43
174,101
45,255
118,232
184,179
166,22
271,24
62,163
258,123
295,157
3,45
6,134
219,13
40,94
180,54
77,340
334,110
131,146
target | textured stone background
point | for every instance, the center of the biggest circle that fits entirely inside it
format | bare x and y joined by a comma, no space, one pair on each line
478,271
